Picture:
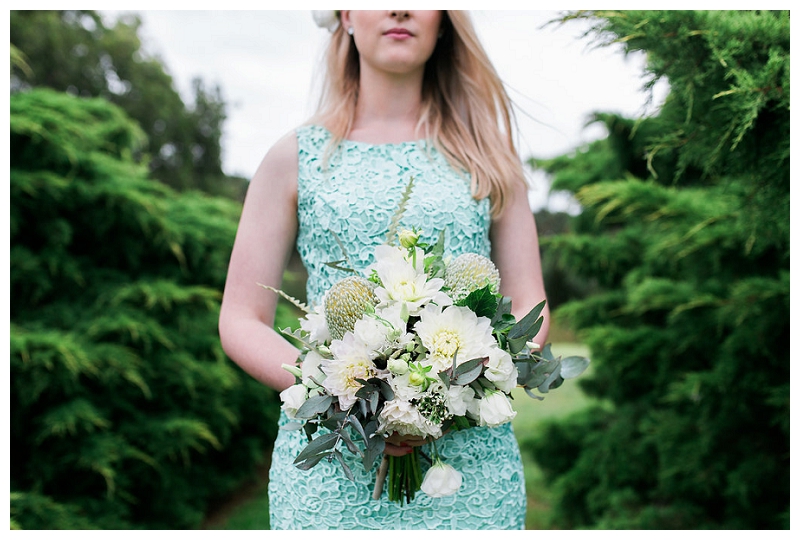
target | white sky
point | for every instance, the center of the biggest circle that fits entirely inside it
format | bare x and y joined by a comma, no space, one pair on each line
265,61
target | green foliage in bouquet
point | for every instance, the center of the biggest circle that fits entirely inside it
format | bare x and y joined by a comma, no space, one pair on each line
124,411
685,227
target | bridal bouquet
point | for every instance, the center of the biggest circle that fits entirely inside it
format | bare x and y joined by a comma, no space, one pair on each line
418,345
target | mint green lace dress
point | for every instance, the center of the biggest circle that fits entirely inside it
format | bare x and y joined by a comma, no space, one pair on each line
355,197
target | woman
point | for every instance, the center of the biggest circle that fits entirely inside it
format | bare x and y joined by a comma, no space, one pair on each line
408,93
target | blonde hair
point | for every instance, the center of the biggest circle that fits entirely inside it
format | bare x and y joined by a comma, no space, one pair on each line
466,112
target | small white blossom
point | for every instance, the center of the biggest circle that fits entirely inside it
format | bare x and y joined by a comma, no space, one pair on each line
311,368
441,480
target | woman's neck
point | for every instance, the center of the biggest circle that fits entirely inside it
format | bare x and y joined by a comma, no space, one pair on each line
388,108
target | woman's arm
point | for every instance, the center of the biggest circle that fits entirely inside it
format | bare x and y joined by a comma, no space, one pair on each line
264,240
515,252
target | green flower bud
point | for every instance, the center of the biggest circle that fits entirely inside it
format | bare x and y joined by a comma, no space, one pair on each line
408,239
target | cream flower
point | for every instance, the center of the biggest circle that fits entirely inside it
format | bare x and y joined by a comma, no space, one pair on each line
350,361
453,330
441,480
495,409
398,415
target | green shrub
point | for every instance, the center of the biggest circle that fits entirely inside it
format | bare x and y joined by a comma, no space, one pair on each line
125,412
686,231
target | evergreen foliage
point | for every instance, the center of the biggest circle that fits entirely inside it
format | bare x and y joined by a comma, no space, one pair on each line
75,51
125,412
685,227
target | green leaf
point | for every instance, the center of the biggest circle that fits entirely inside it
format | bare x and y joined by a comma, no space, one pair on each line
482,301
321,444
314,406
468,371
526,329
572,366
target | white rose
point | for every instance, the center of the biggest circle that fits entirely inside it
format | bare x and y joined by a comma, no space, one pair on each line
293,398
495,409
441,480
501,370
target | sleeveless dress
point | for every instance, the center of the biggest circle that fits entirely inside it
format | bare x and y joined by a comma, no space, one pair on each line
354,192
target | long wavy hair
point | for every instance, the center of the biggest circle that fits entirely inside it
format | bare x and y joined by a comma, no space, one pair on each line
466,112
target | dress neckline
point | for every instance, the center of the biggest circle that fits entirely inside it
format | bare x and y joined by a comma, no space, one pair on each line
352,142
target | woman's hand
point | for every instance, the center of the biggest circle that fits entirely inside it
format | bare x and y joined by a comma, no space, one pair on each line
402,445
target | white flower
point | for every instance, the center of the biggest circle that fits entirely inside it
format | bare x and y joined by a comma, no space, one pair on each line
293,398
350,361
311,367
459,399
372,334
314,323
454,329
326,18
398,415
495,409
403,279
501,370
441,480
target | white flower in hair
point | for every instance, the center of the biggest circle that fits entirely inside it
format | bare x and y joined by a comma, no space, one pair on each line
326,19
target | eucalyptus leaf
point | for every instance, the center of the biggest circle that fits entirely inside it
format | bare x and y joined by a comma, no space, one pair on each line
311,462
320,444
467,375
572,366
349,443
347,472
534,396
545,386
314,406
358,427
375,447
292,426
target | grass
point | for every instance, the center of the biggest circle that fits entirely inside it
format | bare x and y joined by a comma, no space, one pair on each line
253,514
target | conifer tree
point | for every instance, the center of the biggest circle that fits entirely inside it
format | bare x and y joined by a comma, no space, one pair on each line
685,227
125,412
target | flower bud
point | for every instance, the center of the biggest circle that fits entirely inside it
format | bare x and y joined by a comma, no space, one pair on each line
441,480
397,366
294,370
408,239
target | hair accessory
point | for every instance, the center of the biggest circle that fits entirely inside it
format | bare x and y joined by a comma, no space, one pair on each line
328,19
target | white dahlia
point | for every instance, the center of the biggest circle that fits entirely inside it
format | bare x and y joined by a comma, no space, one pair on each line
351,361
403,280
454,329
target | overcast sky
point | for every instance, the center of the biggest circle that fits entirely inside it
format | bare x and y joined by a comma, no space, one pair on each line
265,61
